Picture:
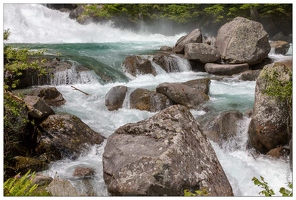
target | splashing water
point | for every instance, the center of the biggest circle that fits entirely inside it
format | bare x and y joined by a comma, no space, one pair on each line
102,48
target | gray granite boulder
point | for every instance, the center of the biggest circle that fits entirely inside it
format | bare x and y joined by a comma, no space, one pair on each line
162,156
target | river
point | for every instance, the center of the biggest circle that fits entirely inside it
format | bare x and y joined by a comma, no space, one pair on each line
103,47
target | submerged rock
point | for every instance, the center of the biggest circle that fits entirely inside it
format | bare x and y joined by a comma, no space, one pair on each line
168,62
84,172
223,127
280,47
162,156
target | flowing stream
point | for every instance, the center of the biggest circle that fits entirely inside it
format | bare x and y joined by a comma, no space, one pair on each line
103,47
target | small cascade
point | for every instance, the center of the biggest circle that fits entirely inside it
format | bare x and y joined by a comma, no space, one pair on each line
182,63
157,68
126,102
73,76
239,142
172,64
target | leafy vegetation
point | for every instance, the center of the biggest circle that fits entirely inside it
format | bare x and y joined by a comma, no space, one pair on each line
23,186
17,126
200,14
269,192
202,192
278,86
20,186
16,61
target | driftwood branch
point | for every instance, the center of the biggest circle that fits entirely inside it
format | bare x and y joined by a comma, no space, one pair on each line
79,90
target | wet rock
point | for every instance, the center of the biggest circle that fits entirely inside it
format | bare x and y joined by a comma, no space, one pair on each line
136,65
115,97
162,156
64,135
182,94
169,62
201,85
50,95
226,69
223,127
279,152
242,41
83,172
280,47
37,108
250,75
144,99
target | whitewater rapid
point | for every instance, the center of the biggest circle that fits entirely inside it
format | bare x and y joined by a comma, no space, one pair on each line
33,23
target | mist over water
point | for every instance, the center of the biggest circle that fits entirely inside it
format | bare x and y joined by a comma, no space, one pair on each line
34,23
103,47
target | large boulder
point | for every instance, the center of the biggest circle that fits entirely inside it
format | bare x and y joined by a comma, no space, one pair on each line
64,136
162,156
226,69
242,41
137,65
202,52
271,122
115,97
182,94
152,101
194,36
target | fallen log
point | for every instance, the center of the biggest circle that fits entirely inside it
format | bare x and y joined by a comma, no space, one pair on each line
79,90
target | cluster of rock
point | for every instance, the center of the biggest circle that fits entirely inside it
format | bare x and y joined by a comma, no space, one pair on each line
190,94
169,152
54,136
146,158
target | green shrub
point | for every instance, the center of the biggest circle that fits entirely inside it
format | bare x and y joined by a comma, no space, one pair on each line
269,192
202,192
20,185
16,61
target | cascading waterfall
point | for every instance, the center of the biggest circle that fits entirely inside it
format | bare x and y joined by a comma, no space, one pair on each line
73,76
103,47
